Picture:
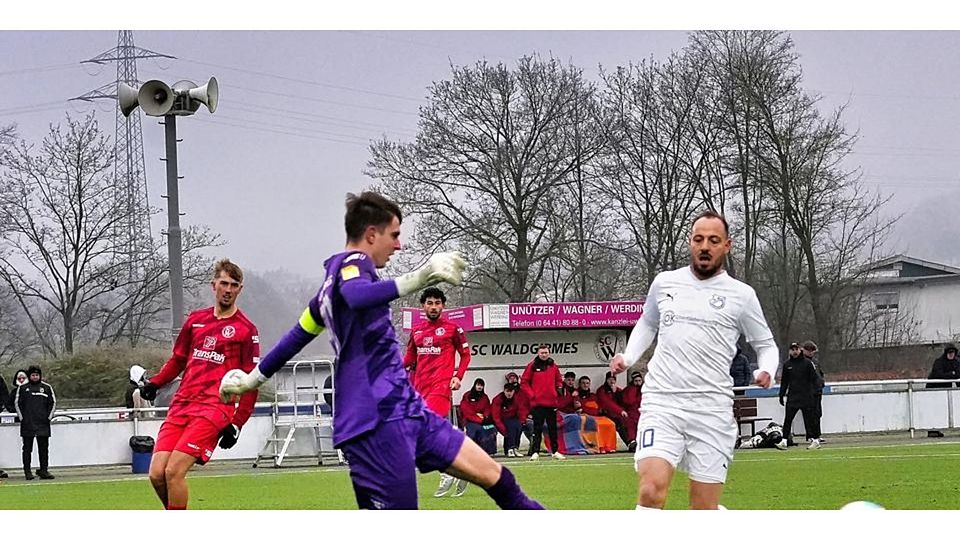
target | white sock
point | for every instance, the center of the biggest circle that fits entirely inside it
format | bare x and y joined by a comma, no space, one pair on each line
640,507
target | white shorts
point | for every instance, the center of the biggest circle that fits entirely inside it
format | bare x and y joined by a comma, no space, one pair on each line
699,443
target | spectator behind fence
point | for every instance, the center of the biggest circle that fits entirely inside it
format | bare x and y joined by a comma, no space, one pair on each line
132,398
509,415
740,370
630,398
946,366
4,397
35,403
811,353
799,384
19,379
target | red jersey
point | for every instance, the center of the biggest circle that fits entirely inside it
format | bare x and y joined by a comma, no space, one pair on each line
206,349
432,353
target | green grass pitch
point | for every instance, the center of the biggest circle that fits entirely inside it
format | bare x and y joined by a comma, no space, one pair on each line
914,476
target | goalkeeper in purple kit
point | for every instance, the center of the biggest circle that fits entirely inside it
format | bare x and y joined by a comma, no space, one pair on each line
381,424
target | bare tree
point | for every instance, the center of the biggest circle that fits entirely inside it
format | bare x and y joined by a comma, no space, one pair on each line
746,71
495,146
59,209
648,172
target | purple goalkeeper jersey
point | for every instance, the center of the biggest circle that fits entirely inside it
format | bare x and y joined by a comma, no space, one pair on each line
353,305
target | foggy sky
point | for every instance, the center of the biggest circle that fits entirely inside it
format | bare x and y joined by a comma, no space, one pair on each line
270,169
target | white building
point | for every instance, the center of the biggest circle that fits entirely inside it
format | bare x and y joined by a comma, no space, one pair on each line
911,300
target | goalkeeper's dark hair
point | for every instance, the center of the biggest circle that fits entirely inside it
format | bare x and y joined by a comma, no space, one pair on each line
366,209
432,292
713,214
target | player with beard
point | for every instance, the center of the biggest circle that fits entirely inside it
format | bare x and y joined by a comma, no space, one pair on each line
431,358
697,313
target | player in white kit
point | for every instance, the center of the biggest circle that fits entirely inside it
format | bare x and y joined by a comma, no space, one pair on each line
697,313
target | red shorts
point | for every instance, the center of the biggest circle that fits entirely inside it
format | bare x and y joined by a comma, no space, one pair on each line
195,435
438,403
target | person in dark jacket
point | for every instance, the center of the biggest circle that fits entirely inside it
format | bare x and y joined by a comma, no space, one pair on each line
35,403
4,398
810,353
542,381
740,369
799,384
946,366
18,379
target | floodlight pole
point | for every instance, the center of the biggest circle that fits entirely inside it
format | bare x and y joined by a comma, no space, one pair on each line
174,236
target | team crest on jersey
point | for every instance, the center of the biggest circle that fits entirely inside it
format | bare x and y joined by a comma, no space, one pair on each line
667,318
717,301
228,331
440,331
210,342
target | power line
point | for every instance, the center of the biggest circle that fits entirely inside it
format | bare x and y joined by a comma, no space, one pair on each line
305,81
282,132
40,69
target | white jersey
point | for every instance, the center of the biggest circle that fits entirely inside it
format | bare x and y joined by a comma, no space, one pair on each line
698,324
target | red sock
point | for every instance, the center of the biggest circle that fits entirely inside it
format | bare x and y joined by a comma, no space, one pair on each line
172,507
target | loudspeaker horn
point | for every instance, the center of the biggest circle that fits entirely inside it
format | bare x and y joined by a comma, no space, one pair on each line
127,98
207,94
156,98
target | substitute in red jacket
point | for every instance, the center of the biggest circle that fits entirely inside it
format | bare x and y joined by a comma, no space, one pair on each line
542,381
630,398
608,396
569,401
432,353
476,419
509,414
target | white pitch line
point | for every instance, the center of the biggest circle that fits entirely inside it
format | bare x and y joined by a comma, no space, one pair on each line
585,461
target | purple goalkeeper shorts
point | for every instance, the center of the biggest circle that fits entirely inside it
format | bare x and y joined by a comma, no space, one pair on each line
383,461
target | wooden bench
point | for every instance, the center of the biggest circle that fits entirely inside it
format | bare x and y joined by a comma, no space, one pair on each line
745,412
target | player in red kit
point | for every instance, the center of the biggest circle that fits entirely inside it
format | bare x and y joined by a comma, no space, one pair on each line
431,358
212,341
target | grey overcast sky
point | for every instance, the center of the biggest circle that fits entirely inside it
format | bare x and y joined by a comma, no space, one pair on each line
269,170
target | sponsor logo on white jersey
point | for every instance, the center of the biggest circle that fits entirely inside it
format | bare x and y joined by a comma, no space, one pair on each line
228,331
210,356
717,301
